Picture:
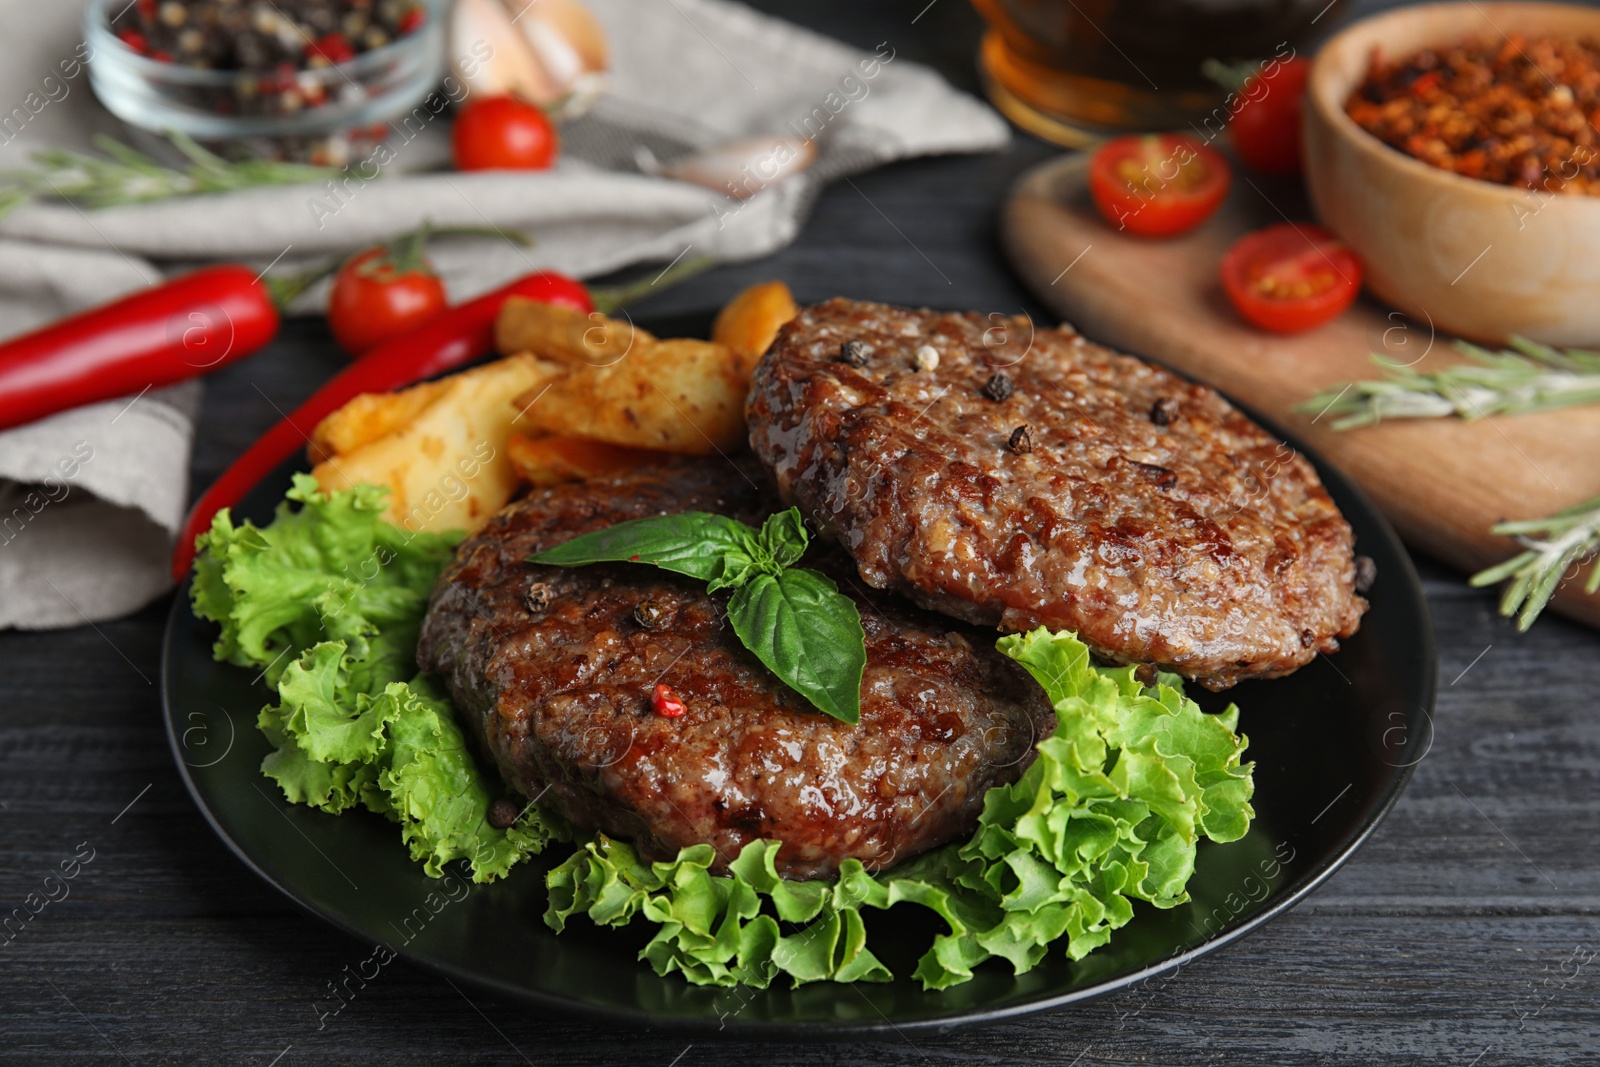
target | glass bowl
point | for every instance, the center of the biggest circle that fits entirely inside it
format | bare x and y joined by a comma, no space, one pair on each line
331,115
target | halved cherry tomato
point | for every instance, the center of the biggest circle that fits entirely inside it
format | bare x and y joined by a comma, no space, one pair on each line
1157,185
503,133
382,293
1291,277
1266,128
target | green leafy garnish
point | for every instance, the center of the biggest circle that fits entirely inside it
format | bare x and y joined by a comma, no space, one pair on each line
1555,550
126,176
1111,811
713,928
1528,376
795,620
327,602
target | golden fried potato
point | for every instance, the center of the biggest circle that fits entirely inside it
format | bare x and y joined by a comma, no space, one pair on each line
750,321
369,417
447,467
564,335
547,461
679,396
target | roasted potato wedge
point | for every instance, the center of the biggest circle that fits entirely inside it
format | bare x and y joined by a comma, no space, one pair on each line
750,321
565,336
447,467
369,417
679,396
546,461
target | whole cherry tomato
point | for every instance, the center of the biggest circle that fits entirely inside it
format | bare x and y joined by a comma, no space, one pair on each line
1266,128
1291,277
382,293
1157,185
503,133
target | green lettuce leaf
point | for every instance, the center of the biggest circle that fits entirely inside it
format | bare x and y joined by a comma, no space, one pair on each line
714,929
327,602
329,569
1110,812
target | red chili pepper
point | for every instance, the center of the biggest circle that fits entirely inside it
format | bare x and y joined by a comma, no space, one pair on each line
456,336
134,40
411,20
666,702
181,329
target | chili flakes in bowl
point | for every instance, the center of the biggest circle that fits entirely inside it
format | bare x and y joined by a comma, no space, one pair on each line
1521,111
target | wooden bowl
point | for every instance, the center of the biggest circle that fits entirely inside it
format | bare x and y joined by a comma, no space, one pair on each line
1468,257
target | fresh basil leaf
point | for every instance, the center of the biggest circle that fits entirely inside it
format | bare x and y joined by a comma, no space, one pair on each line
712,548
737,567
808,634
784,537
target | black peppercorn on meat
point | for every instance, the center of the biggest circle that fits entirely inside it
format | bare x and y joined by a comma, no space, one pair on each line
1148,515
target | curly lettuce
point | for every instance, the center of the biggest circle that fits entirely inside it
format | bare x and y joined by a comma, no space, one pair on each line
327,602
1111,811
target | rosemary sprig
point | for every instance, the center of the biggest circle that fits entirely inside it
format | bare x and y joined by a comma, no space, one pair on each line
1564,541
1231,76
1526,377
127,176
610,300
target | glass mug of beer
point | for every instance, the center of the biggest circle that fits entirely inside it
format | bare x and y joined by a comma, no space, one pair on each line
1074,71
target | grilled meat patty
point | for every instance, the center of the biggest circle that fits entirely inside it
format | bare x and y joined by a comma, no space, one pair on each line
553,671
1020,478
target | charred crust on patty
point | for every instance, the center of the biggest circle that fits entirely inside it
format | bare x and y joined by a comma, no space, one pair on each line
1163,477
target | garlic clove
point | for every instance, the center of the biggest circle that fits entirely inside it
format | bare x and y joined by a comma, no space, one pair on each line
552,53
570,46
740,169
489,56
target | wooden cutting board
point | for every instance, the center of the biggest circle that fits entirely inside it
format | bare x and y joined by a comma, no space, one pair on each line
1442,482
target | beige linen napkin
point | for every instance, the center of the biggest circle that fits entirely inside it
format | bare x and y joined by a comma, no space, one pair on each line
686,75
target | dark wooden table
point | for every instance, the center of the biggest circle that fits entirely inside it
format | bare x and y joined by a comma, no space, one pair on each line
1459,935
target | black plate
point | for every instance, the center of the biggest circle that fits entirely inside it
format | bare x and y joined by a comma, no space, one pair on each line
1333,746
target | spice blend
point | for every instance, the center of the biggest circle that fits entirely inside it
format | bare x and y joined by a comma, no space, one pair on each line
1518,111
